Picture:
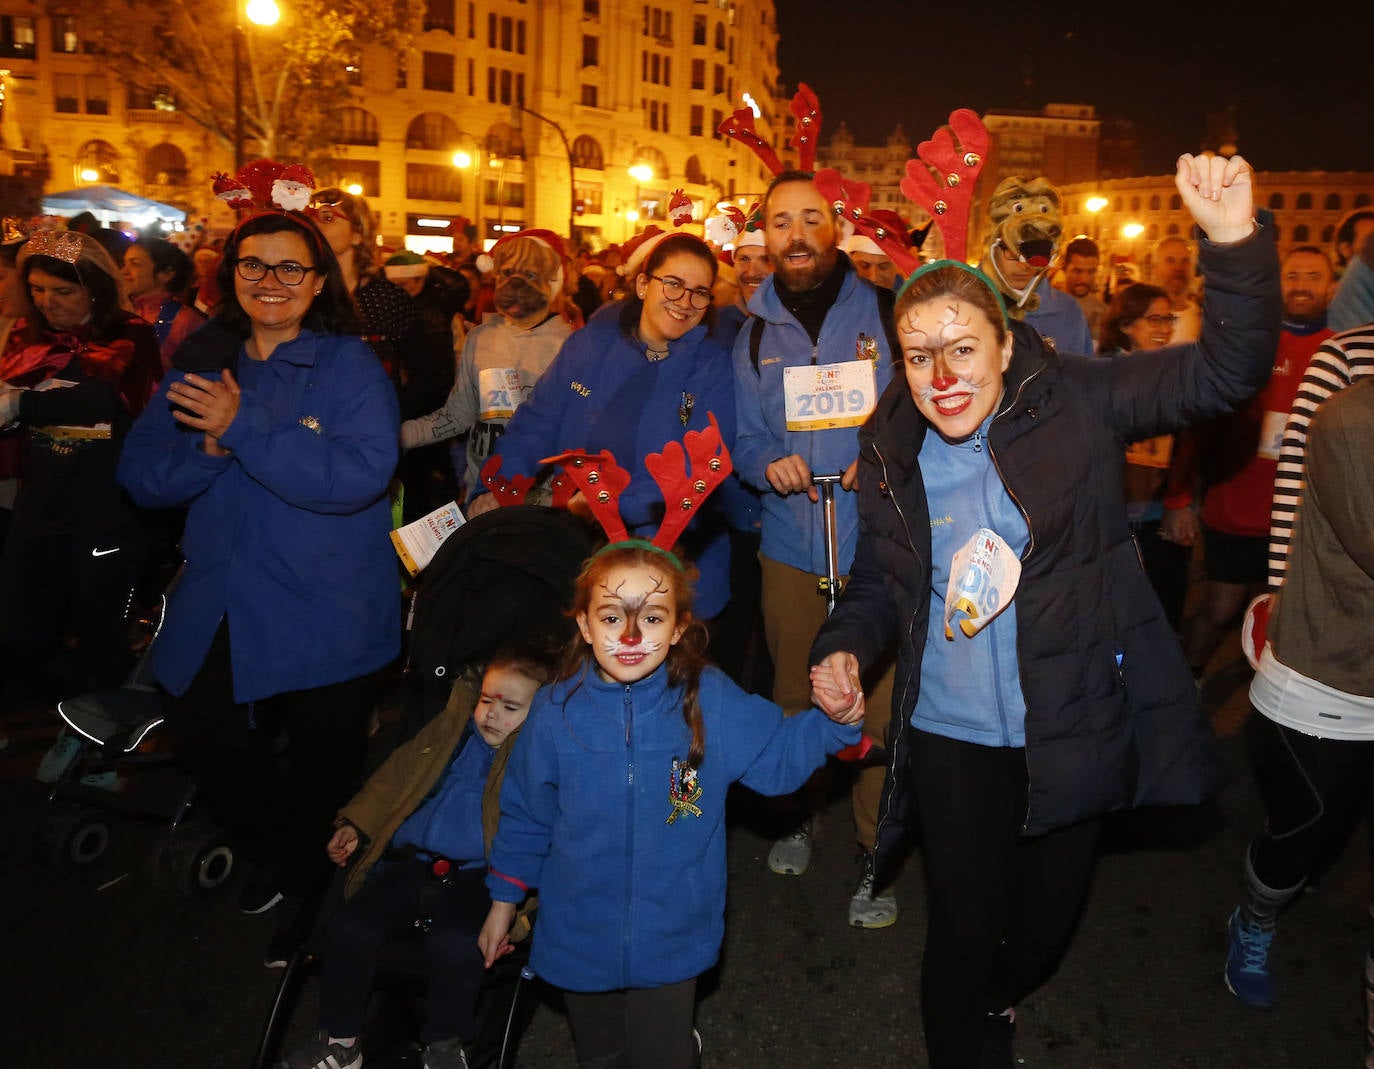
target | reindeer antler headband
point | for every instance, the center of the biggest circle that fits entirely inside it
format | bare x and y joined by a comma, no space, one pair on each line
941,179
739,125
686,472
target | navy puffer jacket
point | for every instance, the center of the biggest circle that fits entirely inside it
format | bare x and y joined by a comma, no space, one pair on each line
1112,717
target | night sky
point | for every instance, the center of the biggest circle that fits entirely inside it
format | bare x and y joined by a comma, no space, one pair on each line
1303,94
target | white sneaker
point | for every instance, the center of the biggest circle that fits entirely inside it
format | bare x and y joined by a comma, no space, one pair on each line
867,910
791,854
59,756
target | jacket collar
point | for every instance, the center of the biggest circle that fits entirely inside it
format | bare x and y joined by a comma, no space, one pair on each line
302,350
768,305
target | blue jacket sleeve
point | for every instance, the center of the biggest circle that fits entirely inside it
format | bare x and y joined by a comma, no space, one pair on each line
529,808
1353,304
755,445
161,463
338,469
532,433
770,753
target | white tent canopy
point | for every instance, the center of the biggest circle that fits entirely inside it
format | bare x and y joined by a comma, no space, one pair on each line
111,206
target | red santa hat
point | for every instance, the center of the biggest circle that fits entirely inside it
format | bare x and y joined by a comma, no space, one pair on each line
486,262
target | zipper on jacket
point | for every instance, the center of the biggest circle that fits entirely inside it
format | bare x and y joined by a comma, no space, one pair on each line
1030,545
992,645
629,835
893,746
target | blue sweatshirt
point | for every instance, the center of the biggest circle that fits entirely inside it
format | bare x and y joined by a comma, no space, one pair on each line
449,821
957,676
632,886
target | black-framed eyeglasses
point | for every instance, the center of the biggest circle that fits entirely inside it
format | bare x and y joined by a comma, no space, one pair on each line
674,288
288,272
1160,320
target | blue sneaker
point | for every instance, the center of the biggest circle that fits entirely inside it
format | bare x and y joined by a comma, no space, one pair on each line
1247,963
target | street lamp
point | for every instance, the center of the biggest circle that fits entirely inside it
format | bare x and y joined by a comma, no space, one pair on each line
641,172
260,13
515,110
1095,206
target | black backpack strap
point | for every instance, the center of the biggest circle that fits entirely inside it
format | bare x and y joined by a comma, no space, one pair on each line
755,340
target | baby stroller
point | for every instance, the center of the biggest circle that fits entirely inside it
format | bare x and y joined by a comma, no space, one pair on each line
503,577
115,739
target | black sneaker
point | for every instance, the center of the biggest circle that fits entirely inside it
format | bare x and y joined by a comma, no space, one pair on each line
260,892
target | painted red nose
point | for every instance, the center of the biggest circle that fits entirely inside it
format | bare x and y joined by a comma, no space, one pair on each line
943,382
630,638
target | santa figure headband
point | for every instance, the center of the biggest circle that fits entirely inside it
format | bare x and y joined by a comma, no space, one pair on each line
687,472
266,186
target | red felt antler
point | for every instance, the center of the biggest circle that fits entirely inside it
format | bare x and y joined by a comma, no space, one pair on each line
807,111
601,481
942,178
739,125
687,478
849,199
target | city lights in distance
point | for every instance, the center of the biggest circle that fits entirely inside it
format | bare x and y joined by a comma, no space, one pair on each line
632,216
432,222
1132,231
89,174
462,159
1095,204
642,172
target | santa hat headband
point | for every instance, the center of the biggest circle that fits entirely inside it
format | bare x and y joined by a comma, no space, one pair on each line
266,186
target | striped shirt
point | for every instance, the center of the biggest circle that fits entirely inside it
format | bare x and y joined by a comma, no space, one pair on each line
1343,359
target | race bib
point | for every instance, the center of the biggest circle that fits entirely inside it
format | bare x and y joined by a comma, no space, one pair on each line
1152,452
498,393
982,579
1271,435
822,396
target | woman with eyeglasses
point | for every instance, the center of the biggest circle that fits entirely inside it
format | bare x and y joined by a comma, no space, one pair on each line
631,383
1158,470
280,444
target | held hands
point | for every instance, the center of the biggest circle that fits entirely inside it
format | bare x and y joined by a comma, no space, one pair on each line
1219,193
494,939
836,690
1180,526
206,405
342,844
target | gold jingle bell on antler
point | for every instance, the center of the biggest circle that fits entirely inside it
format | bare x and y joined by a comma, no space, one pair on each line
699,486
940,207
592,476
952,179
972,159
603,497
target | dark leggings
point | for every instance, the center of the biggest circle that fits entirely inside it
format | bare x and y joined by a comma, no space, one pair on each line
388,903
1002,907
278,805
1315,791
641,1028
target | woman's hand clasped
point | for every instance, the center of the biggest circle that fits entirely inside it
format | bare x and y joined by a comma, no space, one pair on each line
206,405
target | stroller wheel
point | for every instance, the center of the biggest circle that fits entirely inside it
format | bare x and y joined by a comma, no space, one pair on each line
197,859
70,838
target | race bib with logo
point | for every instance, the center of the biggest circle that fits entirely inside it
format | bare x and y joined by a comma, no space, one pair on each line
498,393
1152,452
822,396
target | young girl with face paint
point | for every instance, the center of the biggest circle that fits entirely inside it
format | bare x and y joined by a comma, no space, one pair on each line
614,802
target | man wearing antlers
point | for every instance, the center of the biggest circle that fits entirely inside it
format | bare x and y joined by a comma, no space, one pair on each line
808,370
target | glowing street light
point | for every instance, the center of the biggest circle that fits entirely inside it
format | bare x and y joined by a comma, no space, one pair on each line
642,172
259,13
1131,231
90,174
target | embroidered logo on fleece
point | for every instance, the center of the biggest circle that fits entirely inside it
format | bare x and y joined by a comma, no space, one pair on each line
683,790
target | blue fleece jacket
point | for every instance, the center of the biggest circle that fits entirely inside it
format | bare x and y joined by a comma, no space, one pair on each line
289,535
632,888
970,687
449,821
601,393
792,529
1060,321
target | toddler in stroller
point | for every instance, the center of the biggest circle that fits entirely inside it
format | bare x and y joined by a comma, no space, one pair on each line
415,836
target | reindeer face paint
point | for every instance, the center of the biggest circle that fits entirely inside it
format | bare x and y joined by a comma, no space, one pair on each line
954,364
632,623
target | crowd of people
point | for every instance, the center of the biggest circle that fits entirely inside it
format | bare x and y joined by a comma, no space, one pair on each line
999,625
